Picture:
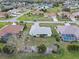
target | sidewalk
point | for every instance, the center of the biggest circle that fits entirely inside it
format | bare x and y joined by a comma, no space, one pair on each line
54,18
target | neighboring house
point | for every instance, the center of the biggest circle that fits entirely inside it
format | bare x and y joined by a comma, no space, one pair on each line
12,29
72,4
75,14
38,31
69,32
66,14
14,12
43,6
3,14
53,16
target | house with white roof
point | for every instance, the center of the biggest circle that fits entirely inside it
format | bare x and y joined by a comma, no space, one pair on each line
38,31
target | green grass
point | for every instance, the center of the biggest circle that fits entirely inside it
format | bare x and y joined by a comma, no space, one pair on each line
2,24
1,45
47,41
60,19
38,17
65,55
6,18
32,18
55,9
37,41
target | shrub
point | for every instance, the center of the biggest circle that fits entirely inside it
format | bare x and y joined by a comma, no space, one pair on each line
41,48
73,48
66,9
57,37
56,4
7,49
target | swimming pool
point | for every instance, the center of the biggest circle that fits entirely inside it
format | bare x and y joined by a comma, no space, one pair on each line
68,37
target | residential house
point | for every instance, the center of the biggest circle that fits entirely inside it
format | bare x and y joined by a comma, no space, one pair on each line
12,29
68,32
53,16
75,14
14,12
3,14
72,4
65,14
38,31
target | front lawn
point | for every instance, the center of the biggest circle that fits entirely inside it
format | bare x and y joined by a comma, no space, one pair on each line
55,9
63,19
2,24
6,18
33,17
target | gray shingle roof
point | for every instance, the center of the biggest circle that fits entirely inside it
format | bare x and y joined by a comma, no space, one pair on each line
69,29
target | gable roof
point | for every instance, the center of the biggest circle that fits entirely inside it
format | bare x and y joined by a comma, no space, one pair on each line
36,29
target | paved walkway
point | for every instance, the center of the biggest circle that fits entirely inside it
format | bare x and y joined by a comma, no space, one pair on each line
55,19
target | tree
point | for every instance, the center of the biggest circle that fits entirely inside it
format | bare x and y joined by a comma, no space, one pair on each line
2,8
21,22
56,4
9,49
25,26
42,48
44,9
7,16
66,9
57,37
